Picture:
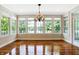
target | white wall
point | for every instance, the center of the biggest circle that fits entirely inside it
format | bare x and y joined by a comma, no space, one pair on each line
4,40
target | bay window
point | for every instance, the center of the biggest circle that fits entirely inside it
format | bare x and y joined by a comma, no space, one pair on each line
29,25
49,25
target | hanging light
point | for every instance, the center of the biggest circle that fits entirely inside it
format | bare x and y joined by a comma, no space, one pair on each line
39,16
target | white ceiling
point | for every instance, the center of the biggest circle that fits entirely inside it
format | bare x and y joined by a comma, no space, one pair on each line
46,9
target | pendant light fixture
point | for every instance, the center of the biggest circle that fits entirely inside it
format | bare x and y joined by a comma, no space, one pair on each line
39,16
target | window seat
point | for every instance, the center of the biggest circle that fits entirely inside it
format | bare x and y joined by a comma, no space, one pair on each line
40,37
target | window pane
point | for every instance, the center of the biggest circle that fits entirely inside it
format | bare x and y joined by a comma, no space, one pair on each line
56,50
57,25
0,26
13,26
4,25
76,27
22,25
39,49
31,25
65,24
47,50
39,25
13,52
30,50
22,50
48,25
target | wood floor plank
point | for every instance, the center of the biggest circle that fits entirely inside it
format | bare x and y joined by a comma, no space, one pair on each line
64,47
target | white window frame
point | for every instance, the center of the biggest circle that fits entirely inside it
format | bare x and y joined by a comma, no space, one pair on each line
11,20
35,26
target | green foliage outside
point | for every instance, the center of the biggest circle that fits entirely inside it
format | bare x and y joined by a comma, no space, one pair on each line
4,25
48,26
22,27
57,26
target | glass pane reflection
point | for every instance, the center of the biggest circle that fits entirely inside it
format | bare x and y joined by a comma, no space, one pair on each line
47,50
56,50
13,52
39,49
22,50
30,50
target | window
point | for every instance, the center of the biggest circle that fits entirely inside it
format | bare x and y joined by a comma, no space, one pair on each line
65,24
13,26
0,26
30,25
57,25
22,25
4,26
76,28
48,25
39,26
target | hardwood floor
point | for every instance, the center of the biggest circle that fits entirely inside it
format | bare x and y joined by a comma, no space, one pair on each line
39,47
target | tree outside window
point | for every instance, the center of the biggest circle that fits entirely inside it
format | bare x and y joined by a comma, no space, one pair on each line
4,25
57,25
48,26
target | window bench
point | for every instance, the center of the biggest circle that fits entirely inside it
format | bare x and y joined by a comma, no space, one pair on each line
40,37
